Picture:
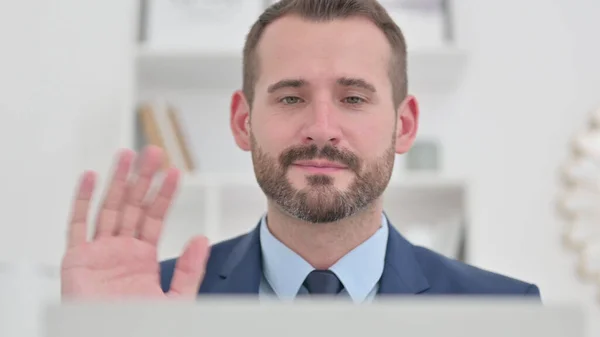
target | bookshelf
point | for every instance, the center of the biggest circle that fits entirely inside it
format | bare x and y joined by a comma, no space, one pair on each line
221,198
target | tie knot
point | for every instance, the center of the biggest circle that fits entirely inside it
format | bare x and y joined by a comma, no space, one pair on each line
323,282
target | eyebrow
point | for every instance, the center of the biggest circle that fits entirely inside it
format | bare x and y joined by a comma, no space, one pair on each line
356,82
344,81
289,83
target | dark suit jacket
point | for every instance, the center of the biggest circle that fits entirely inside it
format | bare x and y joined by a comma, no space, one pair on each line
235,267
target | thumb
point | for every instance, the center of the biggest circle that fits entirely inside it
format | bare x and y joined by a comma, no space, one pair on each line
190,268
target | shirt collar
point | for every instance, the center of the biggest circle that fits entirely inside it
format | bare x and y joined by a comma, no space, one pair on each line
359,270
282,267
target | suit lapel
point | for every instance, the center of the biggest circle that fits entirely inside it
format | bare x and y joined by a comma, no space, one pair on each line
402,273
242,271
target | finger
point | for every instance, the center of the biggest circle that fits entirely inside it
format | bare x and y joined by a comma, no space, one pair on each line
190,268
132,212
108,215
77,230
151,226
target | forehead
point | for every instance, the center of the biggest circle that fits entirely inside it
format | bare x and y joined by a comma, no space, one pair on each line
295,47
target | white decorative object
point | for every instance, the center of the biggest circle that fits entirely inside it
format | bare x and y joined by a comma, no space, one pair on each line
580,202
200,24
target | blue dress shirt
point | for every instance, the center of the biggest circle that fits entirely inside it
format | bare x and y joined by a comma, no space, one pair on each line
359,271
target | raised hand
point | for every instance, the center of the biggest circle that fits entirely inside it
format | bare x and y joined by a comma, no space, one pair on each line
121,258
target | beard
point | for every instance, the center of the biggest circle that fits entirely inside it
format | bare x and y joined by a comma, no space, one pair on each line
321,201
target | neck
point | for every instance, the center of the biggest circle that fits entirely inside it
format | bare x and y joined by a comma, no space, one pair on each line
323,244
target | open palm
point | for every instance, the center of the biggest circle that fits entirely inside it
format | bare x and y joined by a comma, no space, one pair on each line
121,259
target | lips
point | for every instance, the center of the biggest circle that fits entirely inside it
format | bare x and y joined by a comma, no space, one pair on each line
323,164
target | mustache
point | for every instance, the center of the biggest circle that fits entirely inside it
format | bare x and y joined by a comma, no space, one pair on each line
328,152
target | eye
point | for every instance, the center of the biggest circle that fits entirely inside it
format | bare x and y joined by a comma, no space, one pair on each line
289,100
353,100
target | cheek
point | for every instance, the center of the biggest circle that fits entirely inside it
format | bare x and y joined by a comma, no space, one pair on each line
272,136
371,137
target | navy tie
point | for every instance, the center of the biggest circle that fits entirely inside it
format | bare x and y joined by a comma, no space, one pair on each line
323,282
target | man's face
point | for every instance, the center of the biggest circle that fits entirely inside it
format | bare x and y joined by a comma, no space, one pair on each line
323,122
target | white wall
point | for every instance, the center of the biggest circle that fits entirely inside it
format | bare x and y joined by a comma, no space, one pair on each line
532,81
65,82
65,85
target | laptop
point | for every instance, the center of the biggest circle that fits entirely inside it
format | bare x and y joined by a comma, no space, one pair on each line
435,317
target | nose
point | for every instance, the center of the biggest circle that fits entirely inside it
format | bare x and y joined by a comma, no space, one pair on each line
321,127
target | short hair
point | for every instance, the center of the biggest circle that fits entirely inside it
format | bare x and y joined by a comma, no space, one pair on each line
325,10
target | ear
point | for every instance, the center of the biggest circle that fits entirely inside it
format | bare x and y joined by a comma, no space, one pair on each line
408,122
239,120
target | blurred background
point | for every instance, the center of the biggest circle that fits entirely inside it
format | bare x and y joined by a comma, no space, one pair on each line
509,102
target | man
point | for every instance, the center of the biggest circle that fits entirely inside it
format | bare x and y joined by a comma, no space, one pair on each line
324,109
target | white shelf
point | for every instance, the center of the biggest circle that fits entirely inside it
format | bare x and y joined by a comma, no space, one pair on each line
225,205
430,70
421,181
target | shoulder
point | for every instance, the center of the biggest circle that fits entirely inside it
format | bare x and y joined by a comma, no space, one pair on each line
450,276
218,254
